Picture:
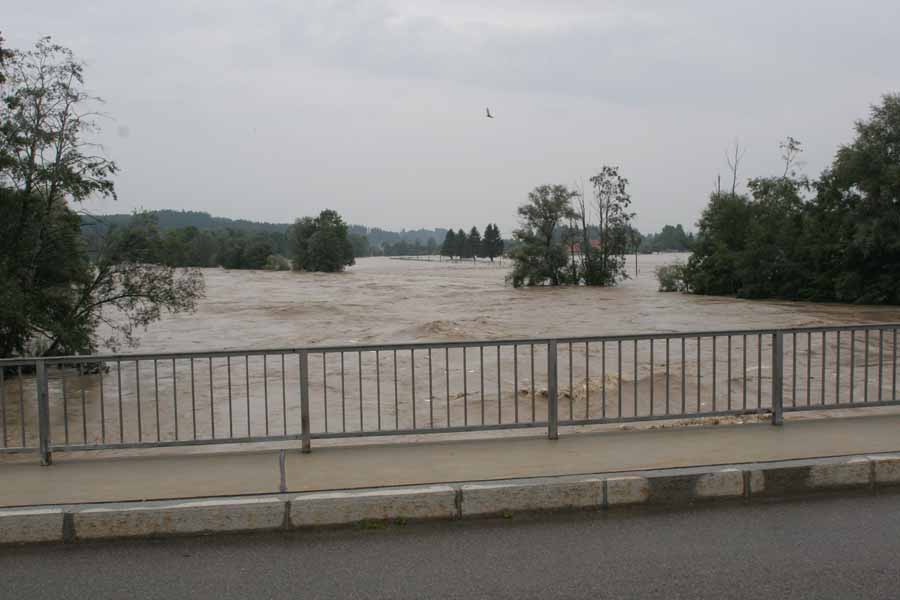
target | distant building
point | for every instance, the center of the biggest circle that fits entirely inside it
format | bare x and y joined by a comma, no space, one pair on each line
576,248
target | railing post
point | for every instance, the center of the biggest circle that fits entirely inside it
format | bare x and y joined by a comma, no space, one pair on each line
306,447
777,378
552,397
41,384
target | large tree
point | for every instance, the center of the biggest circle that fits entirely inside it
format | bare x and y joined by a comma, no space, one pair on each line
611,204
492,244
321,243
56,296
539,257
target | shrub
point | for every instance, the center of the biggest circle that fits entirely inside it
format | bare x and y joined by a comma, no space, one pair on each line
276,262
671,278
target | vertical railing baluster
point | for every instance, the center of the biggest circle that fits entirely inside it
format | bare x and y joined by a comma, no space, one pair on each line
396,396
744,371
266,390
714,373
852,365
808,368
121,415
174,398
532,385
729,373
284,410
668,391
880,363
794,369
156,396
22,408
499,388
343,394
759,370
619,384
247,393
571,387
481,373
824,361
42,385
837,369
683,377
325,389
516,378
447,383
894,369
465,389
866,369
305,431
3,406
378,386
359,369
552,397
212,403
777,378
699,363
83,404
65,397
652,380
636,378
230,408
431,388
412,385
137,383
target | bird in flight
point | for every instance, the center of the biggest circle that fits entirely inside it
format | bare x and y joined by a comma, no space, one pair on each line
489,115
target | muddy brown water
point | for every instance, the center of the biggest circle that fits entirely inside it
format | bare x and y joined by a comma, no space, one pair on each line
382,300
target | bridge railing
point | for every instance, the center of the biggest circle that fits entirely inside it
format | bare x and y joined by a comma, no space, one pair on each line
318,392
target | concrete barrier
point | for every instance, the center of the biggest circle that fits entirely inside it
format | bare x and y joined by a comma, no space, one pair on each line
622,491
887,469
663,487
29,525
342,508
150,519
526,496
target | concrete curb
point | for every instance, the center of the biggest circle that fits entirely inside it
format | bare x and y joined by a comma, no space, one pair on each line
670,487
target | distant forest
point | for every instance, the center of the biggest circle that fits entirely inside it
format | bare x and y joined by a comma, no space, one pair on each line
198,239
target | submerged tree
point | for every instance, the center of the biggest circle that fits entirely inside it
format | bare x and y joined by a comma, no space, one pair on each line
321,243
539,257
611,204
492,244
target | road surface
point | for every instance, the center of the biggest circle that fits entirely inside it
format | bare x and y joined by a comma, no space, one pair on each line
822,548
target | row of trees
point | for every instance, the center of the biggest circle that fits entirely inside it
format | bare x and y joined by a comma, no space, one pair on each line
669,239
458,244
58,288
836,238
564,238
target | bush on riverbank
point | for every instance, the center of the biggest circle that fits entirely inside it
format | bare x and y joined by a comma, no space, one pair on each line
840,244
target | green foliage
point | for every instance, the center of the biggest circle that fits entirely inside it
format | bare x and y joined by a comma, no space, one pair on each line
276,262
360,245
492,244
321,243
472,245
842,244
611,203
448,248
540,257
58,286
669,239
671,278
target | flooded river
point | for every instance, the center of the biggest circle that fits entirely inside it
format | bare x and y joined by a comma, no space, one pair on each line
382,300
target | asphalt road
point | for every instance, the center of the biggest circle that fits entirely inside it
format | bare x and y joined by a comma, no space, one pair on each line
822,548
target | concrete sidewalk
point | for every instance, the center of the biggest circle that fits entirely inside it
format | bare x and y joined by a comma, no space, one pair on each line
80,479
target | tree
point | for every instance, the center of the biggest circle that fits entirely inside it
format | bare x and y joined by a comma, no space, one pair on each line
57,291
611,202
360,245
539,258
321,243
492,244
460,250
473,244
448,248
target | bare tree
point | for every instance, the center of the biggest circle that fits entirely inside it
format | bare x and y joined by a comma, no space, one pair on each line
790,150
734,156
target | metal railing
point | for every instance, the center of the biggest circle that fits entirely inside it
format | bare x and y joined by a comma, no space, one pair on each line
317,392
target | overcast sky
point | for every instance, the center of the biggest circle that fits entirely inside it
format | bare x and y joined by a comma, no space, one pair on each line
273,110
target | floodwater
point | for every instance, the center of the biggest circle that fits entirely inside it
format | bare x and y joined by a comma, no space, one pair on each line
383,300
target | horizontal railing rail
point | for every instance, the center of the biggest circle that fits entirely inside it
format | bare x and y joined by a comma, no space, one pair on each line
119,401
